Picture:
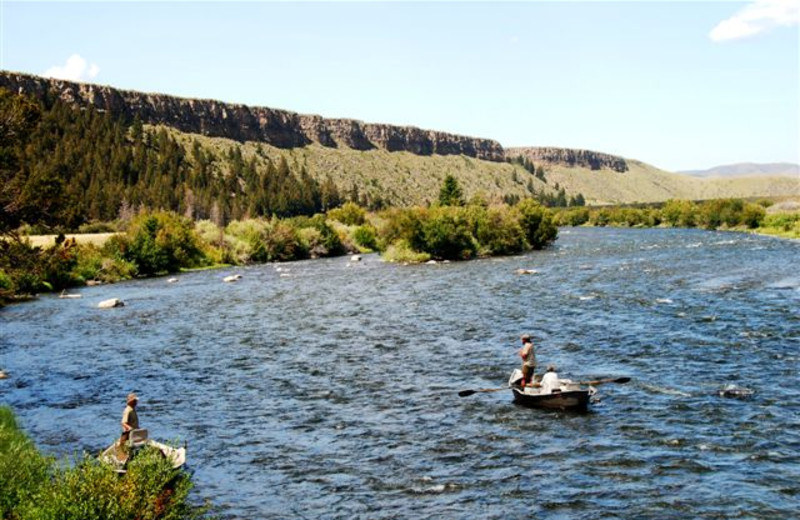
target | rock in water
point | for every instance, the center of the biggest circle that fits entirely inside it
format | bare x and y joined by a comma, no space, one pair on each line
736,392
110,304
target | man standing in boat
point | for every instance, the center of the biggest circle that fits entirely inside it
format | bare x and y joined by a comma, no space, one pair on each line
130,421
528,355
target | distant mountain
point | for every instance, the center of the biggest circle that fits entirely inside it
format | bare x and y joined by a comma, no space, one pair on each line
748,170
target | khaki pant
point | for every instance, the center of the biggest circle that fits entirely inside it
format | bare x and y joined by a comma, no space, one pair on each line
527,373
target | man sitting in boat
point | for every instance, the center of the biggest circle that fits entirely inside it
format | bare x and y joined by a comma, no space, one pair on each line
528,355
550,382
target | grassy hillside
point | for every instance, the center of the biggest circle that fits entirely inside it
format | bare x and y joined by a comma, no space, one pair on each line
646,183
406,179
400,178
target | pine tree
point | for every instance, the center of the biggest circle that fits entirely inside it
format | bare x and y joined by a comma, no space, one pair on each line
450,194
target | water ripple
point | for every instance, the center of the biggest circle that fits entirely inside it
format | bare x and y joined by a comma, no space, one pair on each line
328,390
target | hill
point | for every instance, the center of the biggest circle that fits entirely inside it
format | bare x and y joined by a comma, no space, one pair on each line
749,170
123,149
607,179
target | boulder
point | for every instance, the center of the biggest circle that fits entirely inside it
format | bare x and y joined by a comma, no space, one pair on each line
111,303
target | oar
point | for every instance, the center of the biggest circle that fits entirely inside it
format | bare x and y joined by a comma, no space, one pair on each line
602,381
465,393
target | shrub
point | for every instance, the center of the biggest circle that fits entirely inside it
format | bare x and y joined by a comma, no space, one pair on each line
400,224
679,213
500,233
97,227
349,214
366,237
282,242
151,489
537,224
572,217
58,263
34,487
326,243
401,252
446,235
22,469
162,242
753,215
208,232
6,289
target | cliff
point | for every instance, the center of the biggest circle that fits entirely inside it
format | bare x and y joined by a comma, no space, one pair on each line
279,128
570,157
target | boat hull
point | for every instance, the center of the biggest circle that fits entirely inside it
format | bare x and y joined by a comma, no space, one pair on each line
113,456
574,400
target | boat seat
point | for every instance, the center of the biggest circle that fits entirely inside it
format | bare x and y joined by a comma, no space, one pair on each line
137,438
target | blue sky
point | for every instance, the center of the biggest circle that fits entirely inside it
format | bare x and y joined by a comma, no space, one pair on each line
680,85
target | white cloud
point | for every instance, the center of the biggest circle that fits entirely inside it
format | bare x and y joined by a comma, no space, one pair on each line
757,17
75,69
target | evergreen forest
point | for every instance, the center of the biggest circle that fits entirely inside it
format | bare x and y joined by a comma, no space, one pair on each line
66,167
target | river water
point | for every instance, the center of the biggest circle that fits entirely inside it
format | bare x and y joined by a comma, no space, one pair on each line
328,389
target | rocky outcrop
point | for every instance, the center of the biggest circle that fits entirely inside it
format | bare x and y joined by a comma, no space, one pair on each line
279,128
570,157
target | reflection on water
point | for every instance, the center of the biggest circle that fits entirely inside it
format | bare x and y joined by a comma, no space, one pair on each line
329,389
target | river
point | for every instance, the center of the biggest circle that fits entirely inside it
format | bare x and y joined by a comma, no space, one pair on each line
328,388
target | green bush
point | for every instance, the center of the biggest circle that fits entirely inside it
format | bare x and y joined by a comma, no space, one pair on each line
325,243
150,490
161,242
102,264
34,487
350,214
572,217
283,242
753,215
22,469
446,235
58,263
401,252
6,286
500,233
537,224
679,213
366,237
97,227
398,224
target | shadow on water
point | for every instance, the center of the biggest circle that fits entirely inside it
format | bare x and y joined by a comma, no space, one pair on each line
329,389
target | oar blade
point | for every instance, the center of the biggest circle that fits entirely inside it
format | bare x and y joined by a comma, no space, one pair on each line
622,380
465,393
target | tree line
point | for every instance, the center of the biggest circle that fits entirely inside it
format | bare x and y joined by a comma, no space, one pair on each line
62,168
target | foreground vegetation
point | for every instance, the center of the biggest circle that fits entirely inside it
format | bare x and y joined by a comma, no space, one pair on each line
37,487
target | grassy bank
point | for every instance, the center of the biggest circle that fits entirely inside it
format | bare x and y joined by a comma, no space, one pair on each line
34,486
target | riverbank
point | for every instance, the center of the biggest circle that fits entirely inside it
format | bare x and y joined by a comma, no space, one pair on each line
34,486
162,242
763,217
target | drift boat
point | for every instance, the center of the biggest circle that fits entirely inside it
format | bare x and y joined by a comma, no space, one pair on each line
118,458
570,396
